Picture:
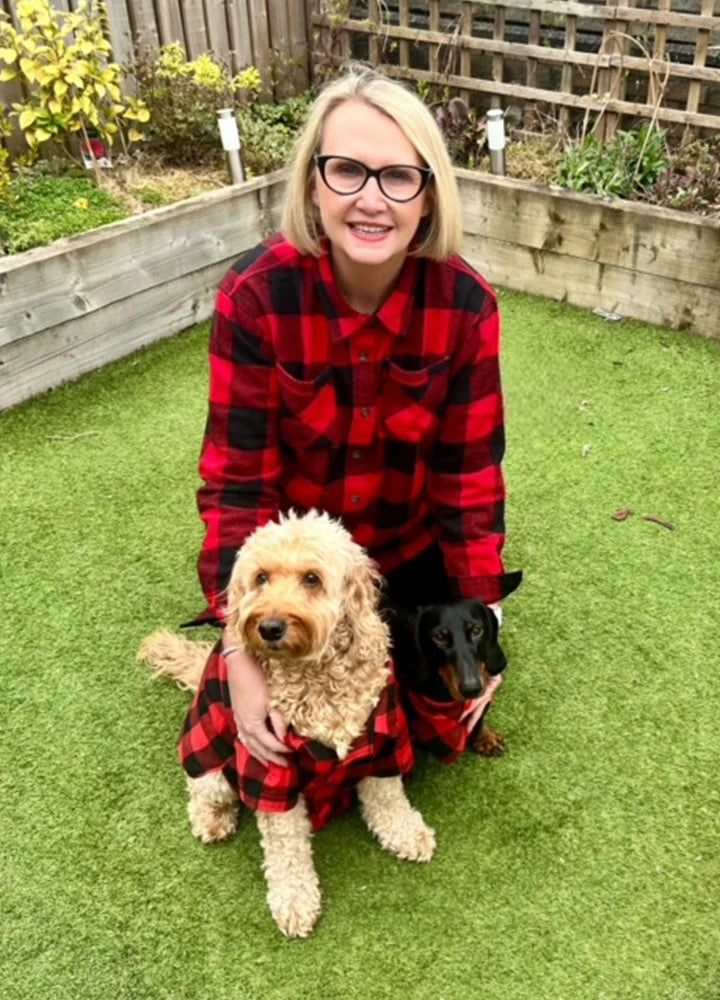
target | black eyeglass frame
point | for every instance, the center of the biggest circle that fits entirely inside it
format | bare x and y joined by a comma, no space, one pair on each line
425,172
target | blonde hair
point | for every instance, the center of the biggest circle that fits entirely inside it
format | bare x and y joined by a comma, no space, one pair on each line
440,232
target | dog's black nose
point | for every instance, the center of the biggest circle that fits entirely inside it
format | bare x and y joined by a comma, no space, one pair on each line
471,689
272,629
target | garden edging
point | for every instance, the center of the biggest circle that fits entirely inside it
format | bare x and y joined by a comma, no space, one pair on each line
81,302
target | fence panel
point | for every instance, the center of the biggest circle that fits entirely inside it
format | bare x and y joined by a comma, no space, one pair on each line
649,59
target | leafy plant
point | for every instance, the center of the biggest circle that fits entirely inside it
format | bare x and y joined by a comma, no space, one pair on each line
463,131
692,180
63,61
631,163
42,209
184,98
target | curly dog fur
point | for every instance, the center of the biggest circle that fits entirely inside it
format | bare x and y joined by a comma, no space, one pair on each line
303,600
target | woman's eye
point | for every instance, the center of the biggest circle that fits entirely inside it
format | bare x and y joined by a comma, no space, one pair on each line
397,175
261,578
311,580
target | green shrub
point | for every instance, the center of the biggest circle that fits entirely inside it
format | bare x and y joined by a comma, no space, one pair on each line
43,209
630,163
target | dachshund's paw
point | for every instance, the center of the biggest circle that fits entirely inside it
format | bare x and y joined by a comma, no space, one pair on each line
295,908
487,742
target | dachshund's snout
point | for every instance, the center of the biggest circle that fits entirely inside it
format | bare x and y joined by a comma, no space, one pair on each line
272,629
471,688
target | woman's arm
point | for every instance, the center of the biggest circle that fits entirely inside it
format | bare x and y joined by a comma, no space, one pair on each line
465,481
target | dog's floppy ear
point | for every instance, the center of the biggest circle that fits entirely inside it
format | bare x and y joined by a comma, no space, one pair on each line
510,582
495,659
362,585
235,592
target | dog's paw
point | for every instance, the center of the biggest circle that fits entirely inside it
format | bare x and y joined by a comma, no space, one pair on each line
295,908
211,822
411,839
487,742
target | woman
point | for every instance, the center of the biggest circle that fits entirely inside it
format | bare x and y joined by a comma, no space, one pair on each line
354,368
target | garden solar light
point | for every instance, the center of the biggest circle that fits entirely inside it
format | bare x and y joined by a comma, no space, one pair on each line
496,140
230,138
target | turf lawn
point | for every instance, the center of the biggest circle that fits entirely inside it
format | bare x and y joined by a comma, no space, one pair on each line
582,866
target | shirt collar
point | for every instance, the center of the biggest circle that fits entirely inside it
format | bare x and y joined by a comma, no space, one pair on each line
393,314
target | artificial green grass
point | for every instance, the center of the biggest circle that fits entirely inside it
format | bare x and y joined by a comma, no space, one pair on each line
581,866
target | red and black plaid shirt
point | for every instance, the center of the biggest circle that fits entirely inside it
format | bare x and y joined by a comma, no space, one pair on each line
391,422
209,743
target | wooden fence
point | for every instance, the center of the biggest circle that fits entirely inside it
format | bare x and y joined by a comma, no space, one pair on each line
649,59
271,35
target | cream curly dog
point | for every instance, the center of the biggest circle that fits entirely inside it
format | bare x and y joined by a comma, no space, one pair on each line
303,599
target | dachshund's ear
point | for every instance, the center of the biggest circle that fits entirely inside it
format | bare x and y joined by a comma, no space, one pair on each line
495,659
510,582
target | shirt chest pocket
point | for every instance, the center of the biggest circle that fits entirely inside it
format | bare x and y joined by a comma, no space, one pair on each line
309,411
411,400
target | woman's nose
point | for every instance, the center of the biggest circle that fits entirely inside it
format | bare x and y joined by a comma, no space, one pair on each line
370,194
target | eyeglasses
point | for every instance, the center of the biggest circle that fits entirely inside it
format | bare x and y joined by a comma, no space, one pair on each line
399,182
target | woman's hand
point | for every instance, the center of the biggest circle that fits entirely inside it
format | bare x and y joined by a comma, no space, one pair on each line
472,715
259,727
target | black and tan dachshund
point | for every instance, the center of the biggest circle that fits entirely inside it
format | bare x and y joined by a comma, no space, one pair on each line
447,653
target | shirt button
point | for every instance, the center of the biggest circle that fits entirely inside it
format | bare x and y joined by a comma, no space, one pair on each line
363,355
355,498
365,412
357,453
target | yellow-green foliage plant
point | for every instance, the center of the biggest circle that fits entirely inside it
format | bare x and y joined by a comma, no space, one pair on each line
64,61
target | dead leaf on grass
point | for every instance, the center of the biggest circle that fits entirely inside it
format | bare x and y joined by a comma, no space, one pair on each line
658,520
623,514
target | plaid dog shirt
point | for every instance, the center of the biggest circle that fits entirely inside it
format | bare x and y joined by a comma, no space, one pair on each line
209,743
436,727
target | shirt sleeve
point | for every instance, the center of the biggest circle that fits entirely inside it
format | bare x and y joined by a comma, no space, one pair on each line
239,460
465,481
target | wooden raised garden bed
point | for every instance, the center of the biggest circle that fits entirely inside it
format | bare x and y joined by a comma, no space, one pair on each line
73,306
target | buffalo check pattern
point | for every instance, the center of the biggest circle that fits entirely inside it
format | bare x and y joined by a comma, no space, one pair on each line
436,727
209,743
392,422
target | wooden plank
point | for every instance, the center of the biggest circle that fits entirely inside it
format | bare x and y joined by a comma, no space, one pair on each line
404,22
656,241
217,30
518,92
120,30
260,35
539,52
195,32
299,45
241,51
701,50
531,68
66,349
279,25
373,28
643,15
144,26
591,285
434,49
169,22
566,80
73,277
497,59
466,29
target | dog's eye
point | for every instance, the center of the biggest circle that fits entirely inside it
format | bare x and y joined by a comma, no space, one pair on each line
261,578
440,635
475,630
311,580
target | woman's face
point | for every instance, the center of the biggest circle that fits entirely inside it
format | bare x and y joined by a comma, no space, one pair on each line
367,229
